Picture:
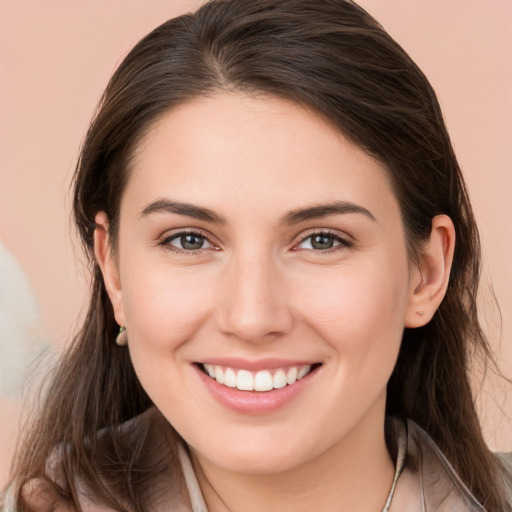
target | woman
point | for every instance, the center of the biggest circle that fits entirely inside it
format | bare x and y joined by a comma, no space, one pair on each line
283,248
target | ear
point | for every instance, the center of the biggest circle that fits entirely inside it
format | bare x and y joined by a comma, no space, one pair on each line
109,266
429,280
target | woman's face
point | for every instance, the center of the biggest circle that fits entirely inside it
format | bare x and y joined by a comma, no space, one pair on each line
258,244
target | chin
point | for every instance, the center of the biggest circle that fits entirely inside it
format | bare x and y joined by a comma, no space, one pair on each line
260,463
259,453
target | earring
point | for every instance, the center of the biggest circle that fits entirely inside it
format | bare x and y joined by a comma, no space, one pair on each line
122,337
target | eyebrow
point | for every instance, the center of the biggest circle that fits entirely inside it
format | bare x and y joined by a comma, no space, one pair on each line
293,217
190,210
324,210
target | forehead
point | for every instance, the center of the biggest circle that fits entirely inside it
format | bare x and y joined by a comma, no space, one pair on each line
253,150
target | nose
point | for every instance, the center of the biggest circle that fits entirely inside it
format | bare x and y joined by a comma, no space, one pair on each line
253,305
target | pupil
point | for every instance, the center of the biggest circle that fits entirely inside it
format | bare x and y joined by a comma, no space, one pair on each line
191,242
322,242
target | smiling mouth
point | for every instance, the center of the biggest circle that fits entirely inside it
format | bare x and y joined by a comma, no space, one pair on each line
263,380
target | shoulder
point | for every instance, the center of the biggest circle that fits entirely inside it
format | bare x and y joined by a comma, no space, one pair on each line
42,495
37,495
145,443
440,480
441,487
506,462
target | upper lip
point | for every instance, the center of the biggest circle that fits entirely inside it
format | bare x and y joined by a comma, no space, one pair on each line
255,365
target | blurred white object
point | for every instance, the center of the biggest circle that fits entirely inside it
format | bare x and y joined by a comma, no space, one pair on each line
19,317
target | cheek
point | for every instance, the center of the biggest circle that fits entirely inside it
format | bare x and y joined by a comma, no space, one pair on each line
360,311
164,304
360,316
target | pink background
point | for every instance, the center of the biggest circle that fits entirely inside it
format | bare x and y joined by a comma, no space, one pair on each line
55,59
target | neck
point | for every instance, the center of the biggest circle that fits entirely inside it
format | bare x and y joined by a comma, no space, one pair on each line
355,474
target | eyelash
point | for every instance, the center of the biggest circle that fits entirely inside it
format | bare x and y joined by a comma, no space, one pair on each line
166,243
344,243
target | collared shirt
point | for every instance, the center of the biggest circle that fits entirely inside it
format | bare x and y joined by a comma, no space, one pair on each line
424,479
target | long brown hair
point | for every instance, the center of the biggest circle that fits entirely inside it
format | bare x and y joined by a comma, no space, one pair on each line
334,58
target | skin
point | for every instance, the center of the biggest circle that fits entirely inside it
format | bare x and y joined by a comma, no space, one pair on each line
258,288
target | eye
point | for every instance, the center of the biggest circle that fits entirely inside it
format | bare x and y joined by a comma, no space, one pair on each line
323,241
189,241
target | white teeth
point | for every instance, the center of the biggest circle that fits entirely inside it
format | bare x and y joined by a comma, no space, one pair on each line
279,379
303,371
210,369
291,376
230,378
219,375
263,381
260,381
244,381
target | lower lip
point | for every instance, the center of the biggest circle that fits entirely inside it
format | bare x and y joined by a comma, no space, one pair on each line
255,402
